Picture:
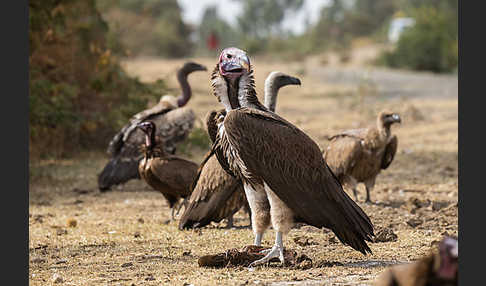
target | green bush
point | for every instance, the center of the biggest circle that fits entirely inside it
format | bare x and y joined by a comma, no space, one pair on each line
431,44
79,96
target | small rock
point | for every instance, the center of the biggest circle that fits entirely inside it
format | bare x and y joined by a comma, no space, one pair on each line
186,253
385,235
150,278
414,222
71,222
414,203
136,234
62,261
333,240
38,260
140,220
61,231
56,278
439,205
128,264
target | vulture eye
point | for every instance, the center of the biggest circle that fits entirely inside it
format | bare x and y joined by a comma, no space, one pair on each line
229,56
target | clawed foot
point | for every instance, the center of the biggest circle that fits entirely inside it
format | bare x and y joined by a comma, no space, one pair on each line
273,252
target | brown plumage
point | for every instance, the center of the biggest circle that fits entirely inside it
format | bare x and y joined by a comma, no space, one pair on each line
168,174
217,195
358,155
282,169
436,269
174,121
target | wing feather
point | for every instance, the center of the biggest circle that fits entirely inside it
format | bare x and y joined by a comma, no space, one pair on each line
342,154
390,151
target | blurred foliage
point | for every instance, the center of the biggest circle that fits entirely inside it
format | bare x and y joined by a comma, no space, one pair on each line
79,96
198,138
432,43
146,27
212,23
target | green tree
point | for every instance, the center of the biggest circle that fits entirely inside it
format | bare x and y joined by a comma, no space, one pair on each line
431,44
149,26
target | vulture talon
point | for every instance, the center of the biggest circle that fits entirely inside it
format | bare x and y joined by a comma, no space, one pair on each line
275,251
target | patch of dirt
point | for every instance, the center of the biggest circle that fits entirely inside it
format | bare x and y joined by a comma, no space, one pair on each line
120,237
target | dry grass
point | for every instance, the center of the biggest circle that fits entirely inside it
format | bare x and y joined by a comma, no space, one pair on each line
120,237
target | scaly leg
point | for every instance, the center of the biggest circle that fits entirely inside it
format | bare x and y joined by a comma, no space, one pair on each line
260,211
275,251
184,203
369,186
258,238
229,224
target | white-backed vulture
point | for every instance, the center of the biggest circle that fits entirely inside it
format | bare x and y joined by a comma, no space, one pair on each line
174,121
440,268
282,169
166,173
358,155
215,194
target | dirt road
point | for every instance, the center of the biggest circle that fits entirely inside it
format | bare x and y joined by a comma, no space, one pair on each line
121,238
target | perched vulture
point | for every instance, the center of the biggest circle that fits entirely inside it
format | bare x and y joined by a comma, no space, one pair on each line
358,155
167,173
284,175
440,268
216,194
174,121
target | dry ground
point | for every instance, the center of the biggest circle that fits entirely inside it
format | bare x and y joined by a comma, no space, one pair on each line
121,238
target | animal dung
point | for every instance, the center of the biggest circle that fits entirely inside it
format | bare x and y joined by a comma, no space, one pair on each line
245,256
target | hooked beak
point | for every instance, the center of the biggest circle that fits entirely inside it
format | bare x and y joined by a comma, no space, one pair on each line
235,66
397,118
291,80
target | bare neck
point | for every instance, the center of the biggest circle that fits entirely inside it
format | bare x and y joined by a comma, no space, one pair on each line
236,93
186,88
271,91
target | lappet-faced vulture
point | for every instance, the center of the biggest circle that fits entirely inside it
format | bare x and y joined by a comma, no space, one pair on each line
166,173
174,121
440,268
282,169
216,194
358,155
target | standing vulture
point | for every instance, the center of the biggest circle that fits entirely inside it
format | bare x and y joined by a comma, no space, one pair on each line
358,155
440,268
282,169
216,194
174,121
167,173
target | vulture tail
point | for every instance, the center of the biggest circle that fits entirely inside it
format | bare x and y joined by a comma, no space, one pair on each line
118,171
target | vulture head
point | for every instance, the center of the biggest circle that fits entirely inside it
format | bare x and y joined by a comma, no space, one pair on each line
232,79
192,66
148,127
233,63
280,79
387,118
447,262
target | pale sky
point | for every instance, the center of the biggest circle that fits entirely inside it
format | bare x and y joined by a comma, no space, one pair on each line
192,11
